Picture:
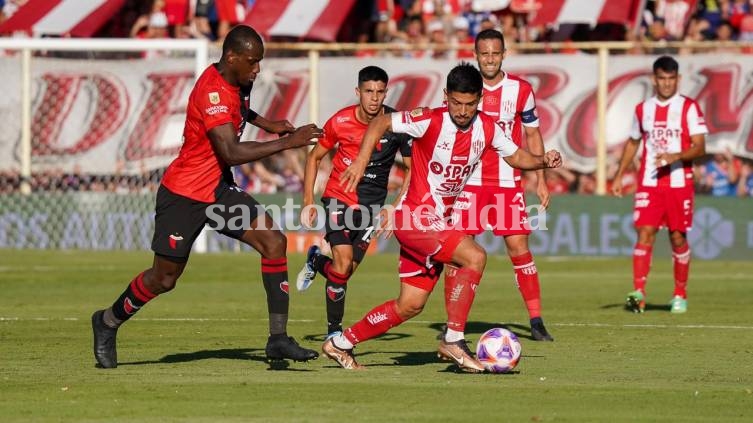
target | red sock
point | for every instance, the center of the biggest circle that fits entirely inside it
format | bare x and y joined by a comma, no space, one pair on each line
681,261
641,266
376,322
527,280
459,291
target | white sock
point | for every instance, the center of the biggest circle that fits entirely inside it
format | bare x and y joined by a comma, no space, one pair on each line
342,342
453,335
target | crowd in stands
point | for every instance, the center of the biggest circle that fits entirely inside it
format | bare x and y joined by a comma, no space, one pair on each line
416,23
718,175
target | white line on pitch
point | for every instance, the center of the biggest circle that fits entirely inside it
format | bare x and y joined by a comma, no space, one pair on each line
418,322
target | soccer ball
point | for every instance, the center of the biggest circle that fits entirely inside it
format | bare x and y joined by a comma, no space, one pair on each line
498,350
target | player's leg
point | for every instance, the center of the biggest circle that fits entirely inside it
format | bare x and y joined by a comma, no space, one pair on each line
636,299
260,232
410,302
527,281
679,221
271,244
337,274
681,264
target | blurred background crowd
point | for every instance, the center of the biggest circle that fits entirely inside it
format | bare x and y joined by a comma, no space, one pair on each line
418,23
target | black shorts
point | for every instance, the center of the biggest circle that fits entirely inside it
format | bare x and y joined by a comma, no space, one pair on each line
179,220
341,229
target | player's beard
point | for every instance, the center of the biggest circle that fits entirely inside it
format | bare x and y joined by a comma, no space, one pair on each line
467,125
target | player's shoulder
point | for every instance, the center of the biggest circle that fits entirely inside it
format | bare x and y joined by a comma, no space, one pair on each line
517,79
420,113
688,100
344,115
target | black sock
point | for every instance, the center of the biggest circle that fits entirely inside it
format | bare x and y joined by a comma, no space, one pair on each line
335,289
321,262
131,300
274,274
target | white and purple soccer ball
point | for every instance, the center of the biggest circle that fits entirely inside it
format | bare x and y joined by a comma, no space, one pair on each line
498,350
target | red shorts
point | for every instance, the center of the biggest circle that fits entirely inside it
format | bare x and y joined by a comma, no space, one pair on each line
423,249
670,207
501,209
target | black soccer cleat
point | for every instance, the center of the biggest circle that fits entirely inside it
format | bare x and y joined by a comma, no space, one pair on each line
284,347
104,342
539,332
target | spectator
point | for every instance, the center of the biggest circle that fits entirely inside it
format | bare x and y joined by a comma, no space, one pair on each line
438,36
153,24
745,184
461,36
721,174
725,32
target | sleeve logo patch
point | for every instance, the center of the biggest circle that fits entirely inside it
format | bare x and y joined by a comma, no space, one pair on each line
417,112
214,97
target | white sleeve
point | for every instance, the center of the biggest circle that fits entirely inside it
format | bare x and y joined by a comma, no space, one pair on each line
414,122
696,122
502,142
635,128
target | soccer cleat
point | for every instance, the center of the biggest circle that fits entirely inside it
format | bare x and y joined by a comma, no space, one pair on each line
104,342
344,358
636,302
283,347
459,353
539,332
308,273
678,305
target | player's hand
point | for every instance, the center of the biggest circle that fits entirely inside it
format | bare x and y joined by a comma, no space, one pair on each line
665,159
281,127
308,215
386,222
305,135
617,186
552,159
542,191
352,175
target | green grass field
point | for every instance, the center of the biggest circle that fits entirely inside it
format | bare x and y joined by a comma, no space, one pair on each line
196,354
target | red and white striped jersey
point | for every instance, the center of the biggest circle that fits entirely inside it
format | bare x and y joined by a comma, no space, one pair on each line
443,157
666,127
510,102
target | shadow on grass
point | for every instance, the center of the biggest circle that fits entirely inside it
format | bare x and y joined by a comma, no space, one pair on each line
389,336
649,307
225,354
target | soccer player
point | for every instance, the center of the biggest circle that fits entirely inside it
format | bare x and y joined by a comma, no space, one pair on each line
494,195
350,215
448,144
673,132
198,182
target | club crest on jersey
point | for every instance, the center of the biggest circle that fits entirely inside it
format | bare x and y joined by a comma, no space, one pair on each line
214,97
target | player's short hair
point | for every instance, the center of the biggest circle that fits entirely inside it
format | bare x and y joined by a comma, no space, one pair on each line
667,64
372,73
240,39
489,34
465,78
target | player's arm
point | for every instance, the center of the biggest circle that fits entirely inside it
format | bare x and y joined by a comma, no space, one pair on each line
353,174
522,159
386,224
313,160
536,146
279,127
228,147
697,149
628,154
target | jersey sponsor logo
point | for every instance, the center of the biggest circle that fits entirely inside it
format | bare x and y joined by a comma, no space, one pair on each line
214,97
452,171
214,110
459,158
347,161
341,119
